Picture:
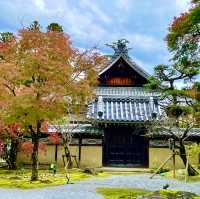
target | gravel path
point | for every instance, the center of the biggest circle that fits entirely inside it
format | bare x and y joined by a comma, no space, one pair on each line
86,189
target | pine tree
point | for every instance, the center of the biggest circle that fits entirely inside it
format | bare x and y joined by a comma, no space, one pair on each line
183,42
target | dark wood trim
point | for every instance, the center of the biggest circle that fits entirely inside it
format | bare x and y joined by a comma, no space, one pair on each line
147,148
103,149
79,148
56,153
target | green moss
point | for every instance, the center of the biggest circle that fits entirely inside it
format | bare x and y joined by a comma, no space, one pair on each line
177,194
16,179
168,192
113,193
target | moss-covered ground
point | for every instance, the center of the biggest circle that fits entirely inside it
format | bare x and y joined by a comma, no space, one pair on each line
117,193
21,178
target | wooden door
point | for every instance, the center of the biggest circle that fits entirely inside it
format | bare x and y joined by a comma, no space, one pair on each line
123,148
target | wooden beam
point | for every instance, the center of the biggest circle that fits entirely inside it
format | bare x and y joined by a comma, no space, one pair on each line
56,153
79,148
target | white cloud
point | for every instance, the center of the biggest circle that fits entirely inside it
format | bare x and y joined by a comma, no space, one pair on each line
144,42
40,4
148,67
100,14
124,4
81,25
182,5
43,8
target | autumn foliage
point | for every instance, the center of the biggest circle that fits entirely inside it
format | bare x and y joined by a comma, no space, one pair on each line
184,33
43,76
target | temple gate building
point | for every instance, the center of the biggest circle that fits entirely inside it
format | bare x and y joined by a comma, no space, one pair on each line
117,121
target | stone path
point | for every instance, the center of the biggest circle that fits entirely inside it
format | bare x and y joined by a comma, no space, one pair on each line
86,189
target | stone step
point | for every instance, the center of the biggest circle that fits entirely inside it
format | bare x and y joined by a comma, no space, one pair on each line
123,170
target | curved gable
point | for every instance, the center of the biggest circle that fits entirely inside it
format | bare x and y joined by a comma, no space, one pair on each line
122,72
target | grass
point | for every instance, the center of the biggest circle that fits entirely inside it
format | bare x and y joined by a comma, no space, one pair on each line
19,179
117,193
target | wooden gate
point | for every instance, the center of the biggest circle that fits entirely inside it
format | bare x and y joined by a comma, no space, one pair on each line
124,148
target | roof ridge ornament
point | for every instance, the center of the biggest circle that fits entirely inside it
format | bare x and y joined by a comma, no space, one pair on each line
120,47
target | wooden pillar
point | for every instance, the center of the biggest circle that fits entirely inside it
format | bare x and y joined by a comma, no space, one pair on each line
198,142
174,164
56,153
79,148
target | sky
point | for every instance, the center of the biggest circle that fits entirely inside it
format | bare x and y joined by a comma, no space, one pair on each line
96,22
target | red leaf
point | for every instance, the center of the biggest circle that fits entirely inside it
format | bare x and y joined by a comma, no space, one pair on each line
54,138
44,127
1,147
27,147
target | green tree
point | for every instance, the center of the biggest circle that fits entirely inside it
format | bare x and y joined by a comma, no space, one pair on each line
183,42
184,36
54,27
6,36
42,69
35,26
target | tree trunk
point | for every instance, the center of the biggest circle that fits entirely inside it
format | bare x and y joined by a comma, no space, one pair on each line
66,142
13,154
182,150
68,156
35,142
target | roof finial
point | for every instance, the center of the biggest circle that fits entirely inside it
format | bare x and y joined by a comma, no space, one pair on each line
120,47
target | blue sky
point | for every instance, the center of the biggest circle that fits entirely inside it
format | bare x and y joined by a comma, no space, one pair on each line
96,22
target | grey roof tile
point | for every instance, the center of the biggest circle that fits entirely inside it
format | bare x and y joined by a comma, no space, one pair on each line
123,104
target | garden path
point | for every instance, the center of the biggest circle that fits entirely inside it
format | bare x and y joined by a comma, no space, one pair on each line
87,189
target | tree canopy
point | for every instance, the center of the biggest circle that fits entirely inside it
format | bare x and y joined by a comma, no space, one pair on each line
181,106
54,27
184,37
43,75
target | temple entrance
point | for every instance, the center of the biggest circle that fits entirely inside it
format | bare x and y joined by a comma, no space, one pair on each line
124,148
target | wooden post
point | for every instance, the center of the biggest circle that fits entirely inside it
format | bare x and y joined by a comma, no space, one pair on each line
79,148
186,169
199,158
174,164
174,159
161,166
56,153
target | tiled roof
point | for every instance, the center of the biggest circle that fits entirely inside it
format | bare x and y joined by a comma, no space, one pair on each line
74,129
118,104
133,92
194,132
89,128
